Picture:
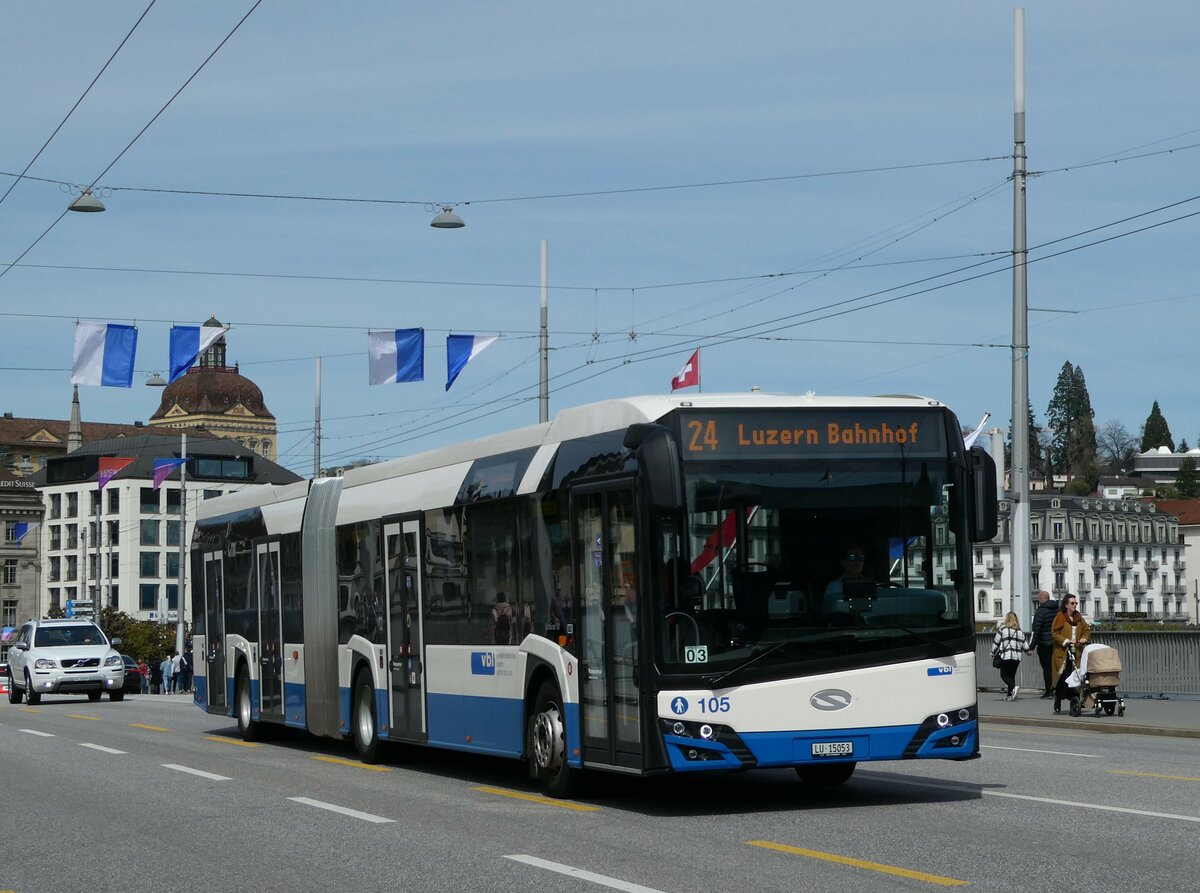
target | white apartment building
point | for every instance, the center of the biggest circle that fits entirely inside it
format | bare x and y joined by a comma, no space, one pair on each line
120,545
1123,559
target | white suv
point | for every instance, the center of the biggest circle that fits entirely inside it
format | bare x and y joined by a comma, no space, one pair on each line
62,657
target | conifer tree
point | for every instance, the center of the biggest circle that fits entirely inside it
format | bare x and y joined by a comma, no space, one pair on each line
1069,417
1156,432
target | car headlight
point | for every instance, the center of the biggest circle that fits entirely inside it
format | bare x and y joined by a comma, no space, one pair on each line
44,663
114,660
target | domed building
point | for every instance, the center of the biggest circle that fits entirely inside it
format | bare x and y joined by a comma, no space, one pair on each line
218,398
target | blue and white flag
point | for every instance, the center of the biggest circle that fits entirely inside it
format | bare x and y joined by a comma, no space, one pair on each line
460,350
104,354
187,343
396,355
23,528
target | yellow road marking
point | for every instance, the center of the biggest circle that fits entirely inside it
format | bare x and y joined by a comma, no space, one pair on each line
29,709
353,763
138,725
81,716
1153,775
860,863
535,798
232,741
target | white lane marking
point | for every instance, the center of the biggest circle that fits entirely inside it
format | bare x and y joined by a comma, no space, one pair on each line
1072,804
101,748
36,732
200,772
343,810
581,874
1057,753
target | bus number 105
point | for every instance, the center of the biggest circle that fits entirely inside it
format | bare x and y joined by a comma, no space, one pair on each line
714,705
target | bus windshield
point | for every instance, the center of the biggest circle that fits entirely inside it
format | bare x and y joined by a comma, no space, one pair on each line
812,562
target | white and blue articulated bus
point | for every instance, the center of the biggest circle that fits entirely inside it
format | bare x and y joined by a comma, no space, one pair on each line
643,586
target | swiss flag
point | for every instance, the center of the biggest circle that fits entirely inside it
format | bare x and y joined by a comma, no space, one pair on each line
689,375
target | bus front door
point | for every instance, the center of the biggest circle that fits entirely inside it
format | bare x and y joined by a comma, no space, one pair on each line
270,620
606,565
214,616
406,670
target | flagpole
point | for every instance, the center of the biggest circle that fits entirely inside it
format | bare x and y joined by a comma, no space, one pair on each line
182,542
317,427
544,343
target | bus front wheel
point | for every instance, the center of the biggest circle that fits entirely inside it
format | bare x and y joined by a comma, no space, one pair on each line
547,744
363,725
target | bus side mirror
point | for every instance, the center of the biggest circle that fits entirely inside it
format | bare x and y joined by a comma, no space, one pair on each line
658,458
984,523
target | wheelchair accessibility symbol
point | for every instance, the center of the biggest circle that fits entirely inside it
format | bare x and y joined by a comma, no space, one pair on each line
679,706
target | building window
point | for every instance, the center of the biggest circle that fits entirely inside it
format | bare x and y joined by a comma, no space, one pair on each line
148,597
149,564
8,614
72,569
114,501
172,533
982,601
1057,530
172,565
1035,529
1059,556
173,502
93,504
149,535
72,536
1060,581
10,572
998,608
56,538
10,531
211,494
55,505
149,504
114,533
114,596
55,568
172,597
72,505
114,565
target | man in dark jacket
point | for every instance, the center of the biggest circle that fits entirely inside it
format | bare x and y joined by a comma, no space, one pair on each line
1043,640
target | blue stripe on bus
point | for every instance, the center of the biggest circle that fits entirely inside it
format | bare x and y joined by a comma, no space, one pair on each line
295,713
477,724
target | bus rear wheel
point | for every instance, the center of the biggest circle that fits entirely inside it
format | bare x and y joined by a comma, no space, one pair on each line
547,745
826,776
248,727
363,725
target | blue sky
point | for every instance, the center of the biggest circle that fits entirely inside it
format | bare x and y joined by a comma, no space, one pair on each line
863,150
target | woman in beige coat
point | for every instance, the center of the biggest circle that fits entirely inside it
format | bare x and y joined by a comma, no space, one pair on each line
1069,628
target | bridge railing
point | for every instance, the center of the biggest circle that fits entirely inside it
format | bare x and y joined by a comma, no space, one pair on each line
1152,663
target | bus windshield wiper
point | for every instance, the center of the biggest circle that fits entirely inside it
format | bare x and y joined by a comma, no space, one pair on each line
754,658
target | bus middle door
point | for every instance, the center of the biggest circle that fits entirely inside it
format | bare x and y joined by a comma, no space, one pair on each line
406,670
270,625
606,566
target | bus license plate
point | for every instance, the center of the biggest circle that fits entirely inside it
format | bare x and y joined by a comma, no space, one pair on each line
833,749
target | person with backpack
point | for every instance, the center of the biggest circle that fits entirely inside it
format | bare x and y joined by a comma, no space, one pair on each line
502,621
1008,647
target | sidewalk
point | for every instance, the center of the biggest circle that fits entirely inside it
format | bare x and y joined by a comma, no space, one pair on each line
1143,716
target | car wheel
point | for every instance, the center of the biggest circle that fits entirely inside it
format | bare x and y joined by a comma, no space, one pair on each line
546,745
117,695
94,695
826,776
248,727
363,725
33,698
15,695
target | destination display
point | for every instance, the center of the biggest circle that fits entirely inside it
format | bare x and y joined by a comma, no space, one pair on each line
810,434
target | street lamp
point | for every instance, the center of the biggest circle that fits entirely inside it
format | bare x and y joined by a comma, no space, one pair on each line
447,219
86,203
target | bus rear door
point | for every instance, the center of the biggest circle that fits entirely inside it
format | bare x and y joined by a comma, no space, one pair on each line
270,624
406,670
214,616
605,570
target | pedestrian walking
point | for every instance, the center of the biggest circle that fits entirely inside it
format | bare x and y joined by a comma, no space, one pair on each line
164,670
144,669
1070,630
186,669
176,671
156,678
1009,645
1043,639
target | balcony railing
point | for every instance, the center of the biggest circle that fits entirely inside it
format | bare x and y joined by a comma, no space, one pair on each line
1125,564
1099,564
1151,564
1179,566
995,567
1112,589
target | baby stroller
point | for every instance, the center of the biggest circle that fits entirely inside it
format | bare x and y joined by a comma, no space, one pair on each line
1067,688
1100,669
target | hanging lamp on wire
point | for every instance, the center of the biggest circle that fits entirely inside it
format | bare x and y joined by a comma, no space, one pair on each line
447,219
86,203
